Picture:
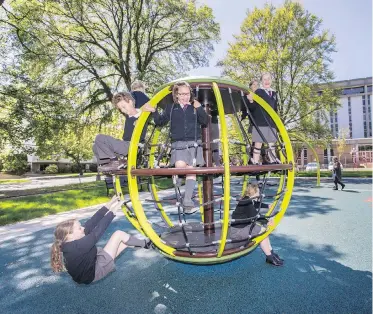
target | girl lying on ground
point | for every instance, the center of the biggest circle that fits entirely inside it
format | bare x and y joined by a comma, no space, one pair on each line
74,248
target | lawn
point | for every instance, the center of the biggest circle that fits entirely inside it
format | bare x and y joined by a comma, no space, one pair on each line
24,208
49,201
13,181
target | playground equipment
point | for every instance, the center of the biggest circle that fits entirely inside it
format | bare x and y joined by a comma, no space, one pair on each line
205,241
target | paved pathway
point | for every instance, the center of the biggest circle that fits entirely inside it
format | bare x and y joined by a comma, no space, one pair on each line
42,182
325,239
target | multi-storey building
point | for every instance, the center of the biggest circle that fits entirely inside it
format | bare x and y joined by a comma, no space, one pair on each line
353,119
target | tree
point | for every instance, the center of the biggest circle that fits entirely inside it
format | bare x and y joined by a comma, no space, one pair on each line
289,43
99,46
341,142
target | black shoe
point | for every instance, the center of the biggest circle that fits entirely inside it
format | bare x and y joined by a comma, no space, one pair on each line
276,256
270,259
113,165
343,186
335,189
148,244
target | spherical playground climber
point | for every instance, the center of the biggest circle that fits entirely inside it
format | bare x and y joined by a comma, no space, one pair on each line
206,241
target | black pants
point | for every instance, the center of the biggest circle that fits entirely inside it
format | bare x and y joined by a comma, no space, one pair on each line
337,181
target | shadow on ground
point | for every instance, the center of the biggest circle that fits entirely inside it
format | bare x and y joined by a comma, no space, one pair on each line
144,282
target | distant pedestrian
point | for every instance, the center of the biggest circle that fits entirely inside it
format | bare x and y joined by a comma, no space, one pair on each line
337,174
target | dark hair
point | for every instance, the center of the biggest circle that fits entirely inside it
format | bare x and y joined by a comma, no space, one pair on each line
252,82
122,96
175,90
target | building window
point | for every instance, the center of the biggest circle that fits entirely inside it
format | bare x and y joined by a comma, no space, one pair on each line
369,88
353,90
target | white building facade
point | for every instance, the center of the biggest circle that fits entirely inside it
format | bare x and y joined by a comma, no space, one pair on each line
355,114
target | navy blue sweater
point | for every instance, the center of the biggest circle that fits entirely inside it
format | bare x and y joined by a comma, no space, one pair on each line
183,122
258,113
80,255
140,98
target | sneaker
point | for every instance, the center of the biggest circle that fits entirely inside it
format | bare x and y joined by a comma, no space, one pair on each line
343,186
113,166
270,259
335,189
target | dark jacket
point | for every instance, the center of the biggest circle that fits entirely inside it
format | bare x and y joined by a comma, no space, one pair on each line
246,208
337,170
140,98
80,255
185,125
258,113
129,126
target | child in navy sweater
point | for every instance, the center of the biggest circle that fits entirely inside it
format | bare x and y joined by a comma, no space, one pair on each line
110,151
186,115
249,207
74,248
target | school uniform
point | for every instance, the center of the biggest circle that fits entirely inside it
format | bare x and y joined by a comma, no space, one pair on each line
246,208
262,119
106,147
83,260
185,131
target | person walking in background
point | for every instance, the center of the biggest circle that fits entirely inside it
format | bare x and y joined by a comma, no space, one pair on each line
337,174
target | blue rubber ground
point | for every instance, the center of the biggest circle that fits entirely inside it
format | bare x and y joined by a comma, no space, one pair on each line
325,239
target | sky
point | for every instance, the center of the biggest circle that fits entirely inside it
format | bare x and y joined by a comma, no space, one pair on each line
350,22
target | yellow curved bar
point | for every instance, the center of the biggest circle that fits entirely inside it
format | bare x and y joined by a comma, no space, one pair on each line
119,192
152,185
290,159
200,197
243,149
132,182
227,175
301,138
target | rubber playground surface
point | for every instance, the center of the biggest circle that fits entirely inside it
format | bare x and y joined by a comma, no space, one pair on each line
324,238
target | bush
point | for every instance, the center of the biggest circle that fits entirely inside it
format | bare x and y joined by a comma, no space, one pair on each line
64,169
15,163
75,168
51,169
93,167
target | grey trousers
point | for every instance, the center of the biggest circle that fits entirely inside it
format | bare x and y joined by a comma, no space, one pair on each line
106,147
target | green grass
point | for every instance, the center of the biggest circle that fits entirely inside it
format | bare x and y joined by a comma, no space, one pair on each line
13,181
86,174
34,206
49,201
51,189
345,174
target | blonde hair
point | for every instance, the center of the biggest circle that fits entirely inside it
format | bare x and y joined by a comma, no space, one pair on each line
264,74
63,229
252,189
122,96
138,85
175,90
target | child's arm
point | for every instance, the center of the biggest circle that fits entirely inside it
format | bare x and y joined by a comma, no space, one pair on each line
162,119
90,240
202,116
95,219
